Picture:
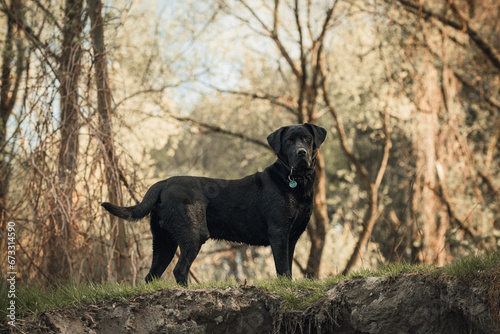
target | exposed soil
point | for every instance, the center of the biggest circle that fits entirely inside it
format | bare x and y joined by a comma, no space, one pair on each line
405,304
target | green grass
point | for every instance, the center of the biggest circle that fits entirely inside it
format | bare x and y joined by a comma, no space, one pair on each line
298,293
229,283
301,293
35,300
468,267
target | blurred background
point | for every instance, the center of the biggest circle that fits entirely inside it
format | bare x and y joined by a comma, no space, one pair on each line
101,99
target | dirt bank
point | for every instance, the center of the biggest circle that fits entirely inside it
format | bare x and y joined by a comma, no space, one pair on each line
405,304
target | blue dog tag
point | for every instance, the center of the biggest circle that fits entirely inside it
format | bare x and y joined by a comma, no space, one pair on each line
292,184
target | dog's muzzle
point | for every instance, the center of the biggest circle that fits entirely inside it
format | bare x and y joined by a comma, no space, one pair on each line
301,159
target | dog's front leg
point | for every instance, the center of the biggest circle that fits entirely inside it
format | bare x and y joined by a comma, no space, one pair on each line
279,246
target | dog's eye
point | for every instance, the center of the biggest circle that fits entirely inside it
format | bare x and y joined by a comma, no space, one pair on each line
307,138
289,141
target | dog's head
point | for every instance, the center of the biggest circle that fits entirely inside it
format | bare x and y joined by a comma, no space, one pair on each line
297,145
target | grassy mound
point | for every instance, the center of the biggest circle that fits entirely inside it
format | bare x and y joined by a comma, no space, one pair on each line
298,293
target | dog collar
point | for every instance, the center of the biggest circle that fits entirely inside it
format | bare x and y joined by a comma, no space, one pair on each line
285,164
292,183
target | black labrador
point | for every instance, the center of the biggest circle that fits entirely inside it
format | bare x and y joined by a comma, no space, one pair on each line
271,207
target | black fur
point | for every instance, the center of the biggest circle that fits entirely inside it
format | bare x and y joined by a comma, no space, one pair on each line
260,209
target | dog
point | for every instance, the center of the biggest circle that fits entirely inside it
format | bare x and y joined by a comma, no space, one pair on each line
272,207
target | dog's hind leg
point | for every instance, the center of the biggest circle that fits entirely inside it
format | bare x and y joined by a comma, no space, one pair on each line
186,259
190,232
164,247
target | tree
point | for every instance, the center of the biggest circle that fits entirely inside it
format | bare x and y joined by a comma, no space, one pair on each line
453,46
104,109
371,187
61,235
62,57
13,67
431,231
442,55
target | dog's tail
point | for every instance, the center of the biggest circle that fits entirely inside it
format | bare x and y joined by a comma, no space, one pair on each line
137,211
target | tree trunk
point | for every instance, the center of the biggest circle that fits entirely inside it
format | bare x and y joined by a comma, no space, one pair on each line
317,228
428,99
9,87
61,234
121,257
369,221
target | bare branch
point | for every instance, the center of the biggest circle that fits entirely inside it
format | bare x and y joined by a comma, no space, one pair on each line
339,125
275,15
484,45
474,87
384,115
443,194
324,29
48,13
296,11
218,129
276,100
43,48
273,34
299,265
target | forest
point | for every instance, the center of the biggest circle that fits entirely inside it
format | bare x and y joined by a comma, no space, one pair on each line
101,99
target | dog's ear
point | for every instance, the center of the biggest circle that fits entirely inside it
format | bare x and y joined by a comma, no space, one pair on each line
318,132
274,140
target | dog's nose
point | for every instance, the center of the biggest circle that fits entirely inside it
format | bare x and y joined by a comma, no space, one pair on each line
301,152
